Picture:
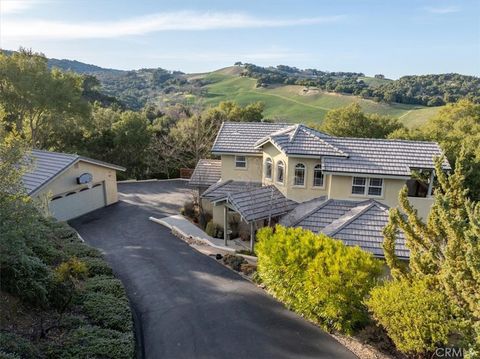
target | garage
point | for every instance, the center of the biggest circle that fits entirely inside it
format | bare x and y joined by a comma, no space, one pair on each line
74,204
70,184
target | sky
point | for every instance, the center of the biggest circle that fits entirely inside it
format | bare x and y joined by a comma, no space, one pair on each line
394,38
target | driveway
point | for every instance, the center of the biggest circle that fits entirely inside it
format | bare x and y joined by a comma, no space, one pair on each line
186,304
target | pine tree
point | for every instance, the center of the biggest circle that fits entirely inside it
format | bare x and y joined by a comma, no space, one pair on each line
445,249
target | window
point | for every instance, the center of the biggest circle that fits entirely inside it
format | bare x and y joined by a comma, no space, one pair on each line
317,176
358,186
268,168
240,162
367,186
375,186
299,179
280,172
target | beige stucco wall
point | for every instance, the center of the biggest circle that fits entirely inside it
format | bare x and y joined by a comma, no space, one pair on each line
67,181
253,171
299,194
423,205
217,212
341,188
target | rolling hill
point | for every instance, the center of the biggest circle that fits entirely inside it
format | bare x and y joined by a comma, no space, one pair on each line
295,103
287,102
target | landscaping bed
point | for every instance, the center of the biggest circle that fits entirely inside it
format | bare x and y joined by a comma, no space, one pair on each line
66,304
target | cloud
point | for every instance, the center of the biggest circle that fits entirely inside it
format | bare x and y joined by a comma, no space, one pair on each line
184,20
442,10
16,6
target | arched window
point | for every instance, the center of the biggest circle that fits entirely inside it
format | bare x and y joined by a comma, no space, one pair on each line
268,168
318,176
299,179
280,172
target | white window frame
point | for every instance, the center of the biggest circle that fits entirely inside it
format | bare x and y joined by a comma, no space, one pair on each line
304,175
268,160
367,186
319,165
237,161
277,172
370,186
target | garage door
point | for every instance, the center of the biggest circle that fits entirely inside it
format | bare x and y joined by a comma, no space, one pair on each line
75,204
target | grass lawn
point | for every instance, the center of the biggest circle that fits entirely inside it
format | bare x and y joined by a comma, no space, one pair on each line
293,103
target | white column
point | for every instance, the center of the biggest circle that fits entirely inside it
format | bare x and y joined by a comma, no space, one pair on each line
252,237
430,184
225,224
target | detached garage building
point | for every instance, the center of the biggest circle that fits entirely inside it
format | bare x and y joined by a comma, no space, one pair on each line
73,185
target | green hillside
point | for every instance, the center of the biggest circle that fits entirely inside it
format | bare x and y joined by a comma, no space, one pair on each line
296,103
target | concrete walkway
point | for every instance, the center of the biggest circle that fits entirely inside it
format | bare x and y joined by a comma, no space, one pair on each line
187,229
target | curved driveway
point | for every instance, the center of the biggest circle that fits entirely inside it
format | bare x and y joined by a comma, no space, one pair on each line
186,304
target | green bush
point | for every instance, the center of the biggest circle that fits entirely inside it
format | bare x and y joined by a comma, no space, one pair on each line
80,250
95,342
210,228
97,266
15,345
108,311
106,285
317,276
416,317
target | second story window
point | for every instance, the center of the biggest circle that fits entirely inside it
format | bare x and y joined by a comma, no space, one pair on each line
299,179
268,168
317,176
280,172
367,186
240,162
359,185
375,186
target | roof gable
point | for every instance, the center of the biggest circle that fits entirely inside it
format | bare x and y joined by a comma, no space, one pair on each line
47,165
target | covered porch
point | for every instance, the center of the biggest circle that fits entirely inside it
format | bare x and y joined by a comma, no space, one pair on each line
255,208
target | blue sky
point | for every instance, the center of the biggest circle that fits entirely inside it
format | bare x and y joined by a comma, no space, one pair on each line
391,37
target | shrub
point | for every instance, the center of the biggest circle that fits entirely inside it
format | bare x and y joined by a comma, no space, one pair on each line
108,311
189,210
416,317
234,261
317,276
17,346
248,269
210,228
105,285
97,266
95,342
80,250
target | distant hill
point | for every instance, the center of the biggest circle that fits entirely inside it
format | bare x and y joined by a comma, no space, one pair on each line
289,93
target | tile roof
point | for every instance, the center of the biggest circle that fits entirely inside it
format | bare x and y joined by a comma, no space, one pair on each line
260,203
240,137
206,173
301,140
355,223
340,155
221,190
380,156
46,165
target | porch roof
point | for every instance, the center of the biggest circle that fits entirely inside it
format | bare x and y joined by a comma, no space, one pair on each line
355,223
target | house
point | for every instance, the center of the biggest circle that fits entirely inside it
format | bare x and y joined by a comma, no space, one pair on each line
71,185
294,175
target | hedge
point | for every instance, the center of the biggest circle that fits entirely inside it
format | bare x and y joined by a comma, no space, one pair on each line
95,342
417,317
13,345
106,285
97,266
108,311
319,277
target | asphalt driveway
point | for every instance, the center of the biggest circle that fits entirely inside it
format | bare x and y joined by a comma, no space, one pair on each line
186,304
